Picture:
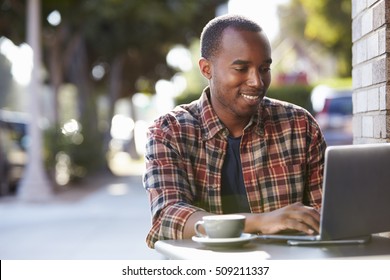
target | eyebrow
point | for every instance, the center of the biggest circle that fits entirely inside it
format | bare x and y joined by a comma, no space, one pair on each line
246,62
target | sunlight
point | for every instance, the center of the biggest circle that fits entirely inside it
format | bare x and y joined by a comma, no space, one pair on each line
54,18
122,127
263,12
180,57
21,59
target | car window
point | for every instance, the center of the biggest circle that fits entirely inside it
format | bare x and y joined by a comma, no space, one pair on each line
340,105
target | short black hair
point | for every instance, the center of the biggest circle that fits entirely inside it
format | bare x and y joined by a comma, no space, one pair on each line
211,36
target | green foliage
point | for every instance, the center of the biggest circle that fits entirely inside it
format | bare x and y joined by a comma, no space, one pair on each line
13,20
337,82
84,152
187,98
5,80
131,38
139,32
326,23
195,80
296,94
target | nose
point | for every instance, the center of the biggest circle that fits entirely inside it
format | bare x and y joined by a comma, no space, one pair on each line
255,79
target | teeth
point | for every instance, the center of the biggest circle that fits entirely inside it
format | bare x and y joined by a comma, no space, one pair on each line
250,96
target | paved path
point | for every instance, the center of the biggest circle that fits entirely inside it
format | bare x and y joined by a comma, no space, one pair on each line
105,217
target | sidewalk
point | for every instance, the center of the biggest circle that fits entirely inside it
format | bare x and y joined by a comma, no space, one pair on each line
103,218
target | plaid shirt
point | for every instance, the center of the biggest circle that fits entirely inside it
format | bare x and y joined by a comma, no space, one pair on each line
282,154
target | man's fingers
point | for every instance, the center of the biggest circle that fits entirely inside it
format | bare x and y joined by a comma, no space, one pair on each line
304,218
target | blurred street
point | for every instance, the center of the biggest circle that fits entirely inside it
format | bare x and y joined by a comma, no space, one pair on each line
104,217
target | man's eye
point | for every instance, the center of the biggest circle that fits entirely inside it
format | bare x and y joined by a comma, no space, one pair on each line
265,69
242,69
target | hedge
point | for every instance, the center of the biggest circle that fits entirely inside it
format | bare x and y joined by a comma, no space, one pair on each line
297,94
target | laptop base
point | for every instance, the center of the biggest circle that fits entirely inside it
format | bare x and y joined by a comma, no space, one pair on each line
358,240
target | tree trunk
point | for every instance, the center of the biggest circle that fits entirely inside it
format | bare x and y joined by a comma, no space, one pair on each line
115,85
89,153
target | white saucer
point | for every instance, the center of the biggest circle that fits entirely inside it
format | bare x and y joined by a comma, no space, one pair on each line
225,242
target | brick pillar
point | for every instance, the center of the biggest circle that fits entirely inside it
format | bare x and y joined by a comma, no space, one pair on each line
370,74
371,71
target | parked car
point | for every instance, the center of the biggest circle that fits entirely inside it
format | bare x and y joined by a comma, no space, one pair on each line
13,155
334,114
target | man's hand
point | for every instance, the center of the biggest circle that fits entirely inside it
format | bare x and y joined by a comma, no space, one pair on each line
292,217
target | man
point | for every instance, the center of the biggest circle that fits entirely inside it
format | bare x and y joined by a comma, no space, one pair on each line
234,150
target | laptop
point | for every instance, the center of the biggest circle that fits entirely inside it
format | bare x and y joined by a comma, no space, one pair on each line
356,196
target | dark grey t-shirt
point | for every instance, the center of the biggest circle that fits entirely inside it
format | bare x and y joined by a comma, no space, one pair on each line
234,198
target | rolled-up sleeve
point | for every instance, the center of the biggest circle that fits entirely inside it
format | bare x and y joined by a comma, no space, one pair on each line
166,183
315,169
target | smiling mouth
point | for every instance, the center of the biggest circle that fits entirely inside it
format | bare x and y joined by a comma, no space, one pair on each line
250,97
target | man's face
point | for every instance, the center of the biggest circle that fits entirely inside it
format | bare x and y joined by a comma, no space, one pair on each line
240,73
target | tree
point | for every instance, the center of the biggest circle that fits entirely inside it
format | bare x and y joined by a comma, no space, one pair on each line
129,39
5,79
324,22
13,20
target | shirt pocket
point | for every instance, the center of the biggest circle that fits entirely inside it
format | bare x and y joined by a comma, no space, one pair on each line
281,185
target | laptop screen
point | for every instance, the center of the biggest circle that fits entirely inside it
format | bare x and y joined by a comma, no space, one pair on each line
356,191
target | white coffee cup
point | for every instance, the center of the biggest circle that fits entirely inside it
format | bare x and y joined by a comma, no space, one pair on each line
221,226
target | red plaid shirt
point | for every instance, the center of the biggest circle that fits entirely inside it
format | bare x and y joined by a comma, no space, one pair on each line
282,155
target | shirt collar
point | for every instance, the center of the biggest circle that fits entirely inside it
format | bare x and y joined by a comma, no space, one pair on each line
212,125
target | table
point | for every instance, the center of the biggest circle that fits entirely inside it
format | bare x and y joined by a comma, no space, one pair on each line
186,249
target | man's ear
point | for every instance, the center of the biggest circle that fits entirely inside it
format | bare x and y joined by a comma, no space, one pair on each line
205,67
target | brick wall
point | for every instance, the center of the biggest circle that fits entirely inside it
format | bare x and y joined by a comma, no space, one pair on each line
371,71
370,74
